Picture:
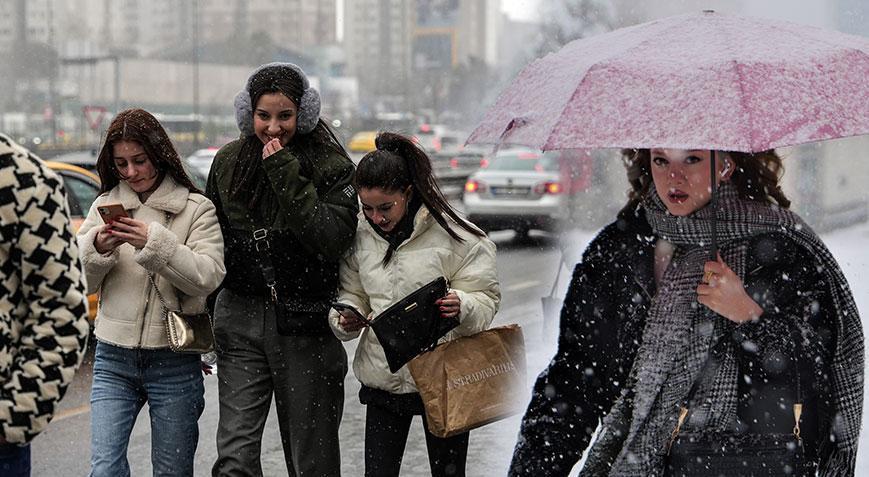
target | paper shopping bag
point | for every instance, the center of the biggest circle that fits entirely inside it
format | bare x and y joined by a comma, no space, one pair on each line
472,381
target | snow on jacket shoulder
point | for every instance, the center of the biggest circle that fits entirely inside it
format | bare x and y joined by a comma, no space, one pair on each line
43,308
185,255
428,253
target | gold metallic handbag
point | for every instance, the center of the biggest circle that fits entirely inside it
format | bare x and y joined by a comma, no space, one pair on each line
187,332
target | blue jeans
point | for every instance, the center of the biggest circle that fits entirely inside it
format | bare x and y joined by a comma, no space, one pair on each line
124,380
14,460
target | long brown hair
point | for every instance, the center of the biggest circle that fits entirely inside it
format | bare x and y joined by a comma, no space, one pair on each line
756,176
397,163
141,127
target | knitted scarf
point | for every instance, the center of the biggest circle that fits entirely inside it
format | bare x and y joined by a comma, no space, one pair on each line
679,333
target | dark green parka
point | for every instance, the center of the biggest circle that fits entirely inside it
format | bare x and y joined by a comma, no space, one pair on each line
309,230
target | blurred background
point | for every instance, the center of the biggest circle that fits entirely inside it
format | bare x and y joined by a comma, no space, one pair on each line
423,67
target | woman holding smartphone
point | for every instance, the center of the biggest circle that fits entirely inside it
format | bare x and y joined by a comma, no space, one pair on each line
162,233
409,236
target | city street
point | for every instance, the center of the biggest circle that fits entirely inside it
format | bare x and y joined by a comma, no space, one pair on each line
526,272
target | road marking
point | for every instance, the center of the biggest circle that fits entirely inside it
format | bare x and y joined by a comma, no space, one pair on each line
67,413
522,285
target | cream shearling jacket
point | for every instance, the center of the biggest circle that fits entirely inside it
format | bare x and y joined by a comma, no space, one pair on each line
428,253
185,256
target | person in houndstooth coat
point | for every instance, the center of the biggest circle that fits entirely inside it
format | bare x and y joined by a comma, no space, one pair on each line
43,306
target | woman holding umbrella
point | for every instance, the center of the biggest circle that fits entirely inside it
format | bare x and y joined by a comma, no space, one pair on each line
721,331
736,363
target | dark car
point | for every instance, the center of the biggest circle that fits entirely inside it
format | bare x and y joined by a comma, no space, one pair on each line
452,168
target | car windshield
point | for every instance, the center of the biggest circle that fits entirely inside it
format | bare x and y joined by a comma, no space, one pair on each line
523,161
81,194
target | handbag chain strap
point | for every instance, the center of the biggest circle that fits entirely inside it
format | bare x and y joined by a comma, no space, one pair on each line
163,304
713,350
160,296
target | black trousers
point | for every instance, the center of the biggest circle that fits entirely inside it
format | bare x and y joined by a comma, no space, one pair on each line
386,436
305,374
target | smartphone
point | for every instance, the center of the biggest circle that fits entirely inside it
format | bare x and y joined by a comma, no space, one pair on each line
111,212
351,309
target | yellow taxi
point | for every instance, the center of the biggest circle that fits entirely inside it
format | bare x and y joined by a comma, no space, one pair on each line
82,187
362,141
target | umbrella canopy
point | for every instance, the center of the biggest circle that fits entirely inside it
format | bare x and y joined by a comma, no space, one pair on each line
695,81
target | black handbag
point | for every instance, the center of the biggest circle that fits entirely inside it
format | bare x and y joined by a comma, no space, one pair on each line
292,318
729,454
413,325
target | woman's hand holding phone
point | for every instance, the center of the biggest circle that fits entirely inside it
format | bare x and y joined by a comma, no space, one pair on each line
105,242
349,318
132,231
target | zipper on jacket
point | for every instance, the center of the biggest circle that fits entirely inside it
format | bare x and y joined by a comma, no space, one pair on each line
145,311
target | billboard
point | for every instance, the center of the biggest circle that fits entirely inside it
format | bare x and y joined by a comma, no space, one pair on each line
434,38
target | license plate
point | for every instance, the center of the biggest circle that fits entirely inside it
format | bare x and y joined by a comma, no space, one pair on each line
510,190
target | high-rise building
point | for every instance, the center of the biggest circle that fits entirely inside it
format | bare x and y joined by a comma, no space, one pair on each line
32,21
391,43
377,41
291,24
480,24
154,27
853,17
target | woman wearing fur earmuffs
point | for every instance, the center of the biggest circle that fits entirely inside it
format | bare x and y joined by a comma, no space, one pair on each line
287,208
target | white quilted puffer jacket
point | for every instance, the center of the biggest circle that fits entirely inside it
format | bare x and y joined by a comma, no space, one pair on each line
428,253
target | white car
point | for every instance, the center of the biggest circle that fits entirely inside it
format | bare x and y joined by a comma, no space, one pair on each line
198,165
520,189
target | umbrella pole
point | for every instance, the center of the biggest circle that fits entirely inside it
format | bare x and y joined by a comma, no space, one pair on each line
713,248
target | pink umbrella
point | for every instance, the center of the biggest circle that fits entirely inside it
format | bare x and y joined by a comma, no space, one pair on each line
696,81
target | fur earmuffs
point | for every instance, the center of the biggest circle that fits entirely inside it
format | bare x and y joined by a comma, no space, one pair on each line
309,105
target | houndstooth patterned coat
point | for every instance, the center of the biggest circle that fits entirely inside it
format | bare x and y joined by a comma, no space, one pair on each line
43,307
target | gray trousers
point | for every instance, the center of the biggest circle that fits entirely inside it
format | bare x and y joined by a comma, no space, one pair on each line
306,376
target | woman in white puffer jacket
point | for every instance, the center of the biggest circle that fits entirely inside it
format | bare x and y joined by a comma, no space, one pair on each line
409,237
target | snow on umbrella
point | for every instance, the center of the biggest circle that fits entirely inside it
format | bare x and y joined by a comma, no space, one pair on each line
695,81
